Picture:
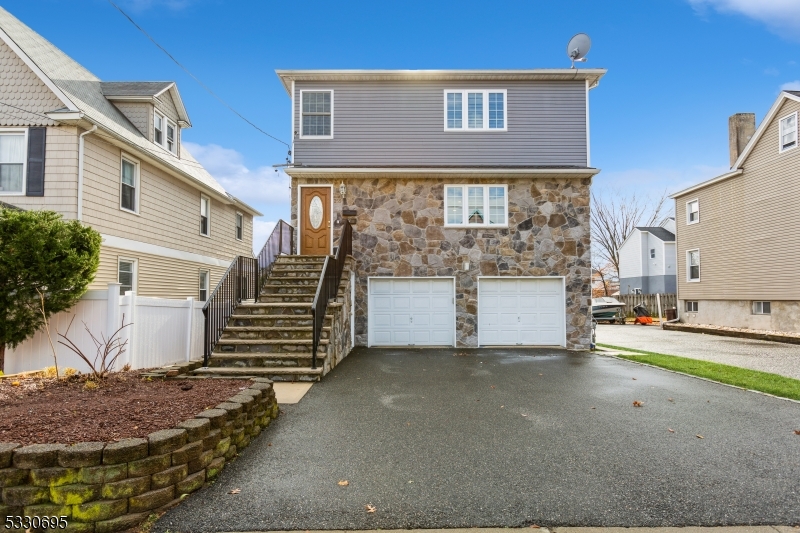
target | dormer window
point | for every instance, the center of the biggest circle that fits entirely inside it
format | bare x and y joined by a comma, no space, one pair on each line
171,137
165,132
158,135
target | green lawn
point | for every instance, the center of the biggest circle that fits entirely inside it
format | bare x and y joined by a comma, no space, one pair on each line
731,375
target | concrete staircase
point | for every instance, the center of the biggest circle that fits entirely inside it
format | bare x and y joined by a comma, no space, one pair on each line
273,336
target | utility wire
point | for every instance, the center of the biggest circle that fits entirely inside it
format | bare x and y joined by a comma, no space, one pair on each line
203,85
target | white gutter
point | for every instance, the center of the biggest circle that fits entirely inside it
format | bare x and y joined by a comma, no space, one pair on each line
80,170
706,183
583,172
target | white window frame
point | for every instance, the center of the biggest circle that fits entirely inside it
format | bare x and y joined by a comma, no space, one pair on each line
300,113
465,110
24,132
688,213
686,306
200,286
163,129
208,215
781,148
465,215
758,307
137,203
236,218
174,126
135,273
689,266
652,253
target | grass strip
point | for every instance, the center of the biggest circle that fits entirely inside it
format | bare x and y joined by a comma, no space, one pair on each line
730,375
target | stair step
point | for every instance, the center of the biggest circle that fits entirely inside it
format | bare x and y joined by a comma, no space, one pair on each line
222,356
274,328
260,342
260,371
298,267
276,317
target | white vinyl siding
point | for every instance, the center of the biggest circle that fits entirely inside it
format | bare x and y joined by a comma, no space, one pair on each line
788,132
316,108
13,144
485,110
476,205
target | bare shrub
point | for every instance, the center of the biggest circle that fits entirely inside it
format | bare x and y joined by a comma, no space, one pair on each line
107,349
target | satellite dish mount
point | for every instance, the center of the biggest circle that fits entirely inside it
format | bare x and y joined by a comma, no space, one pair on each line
578,47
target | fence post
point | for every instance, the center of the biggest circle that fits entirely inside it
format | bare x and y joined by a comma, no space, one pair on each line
112,313
131,295
658,302
190,327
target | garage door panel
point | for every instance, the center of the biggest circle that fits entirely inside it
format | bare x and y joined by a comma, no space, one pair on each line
382,319
411,312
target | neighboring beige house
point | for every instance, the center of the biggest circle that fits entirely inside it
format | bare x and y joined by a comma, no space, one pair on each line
110,155
738,234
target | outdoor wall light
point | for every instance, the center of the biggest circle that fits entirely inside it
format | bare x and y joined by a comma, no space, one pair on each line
466,265
342,189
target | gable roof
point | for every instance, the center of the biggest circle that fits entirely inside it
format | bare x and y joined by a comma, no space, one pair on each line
134,88
658,232
737,168
84,101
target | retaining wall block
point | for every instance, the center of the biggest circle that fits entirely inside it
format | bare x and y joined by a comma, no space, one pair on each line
245,442
53,477
255,393
222,447
149,465
25,495
168,477
227,429
74,494
214,468
191,483
181,456
99,510
151,500
11,477
121,523
262,387
6,451
275,410
81,454
233,409
201,462
212,439
125,488
37,456
125,451
166,441
196,428
47,509
78,527
217,417
231,453
93,475
5,510
237,436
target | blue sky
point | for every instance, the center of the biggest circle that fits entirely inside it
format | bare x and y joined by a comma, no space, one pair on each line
676,69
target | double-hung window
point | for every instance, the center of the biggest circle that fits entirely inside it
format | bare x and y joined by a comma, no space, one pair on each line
788,132
12,162
158,129
476,205
165,132
126,275
239,226
205,215
316,109
693,265
171,144
129,185
475,110
693,212
203,285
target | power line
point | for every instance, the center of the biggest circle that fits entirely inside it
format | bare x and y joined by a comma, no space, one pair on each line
203,85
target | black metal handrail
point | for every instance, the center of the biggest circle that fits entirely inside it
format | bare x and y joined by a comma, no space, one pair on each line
242,281
328,286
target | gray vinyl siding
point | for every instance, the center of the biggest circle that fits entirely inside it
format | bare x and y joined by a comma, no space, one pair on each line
402,123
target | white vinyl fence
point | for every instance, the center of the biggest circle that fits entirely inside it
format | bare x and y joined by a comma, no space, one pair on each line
162,332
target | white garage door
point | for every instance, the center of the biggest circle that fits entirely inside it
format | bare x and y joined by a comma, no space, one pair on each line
411,312
521,311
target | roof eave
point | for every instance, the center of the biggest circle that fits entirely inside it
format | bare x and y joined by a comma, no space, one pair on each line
706,183
440,171
763,127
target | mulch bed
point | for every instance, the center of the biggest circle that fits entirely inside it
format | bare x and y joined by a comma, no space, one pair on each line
41,410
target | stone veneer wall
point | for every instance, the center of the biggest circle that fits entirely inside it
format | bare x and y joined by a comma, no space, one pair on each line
399,231
342,317
104,487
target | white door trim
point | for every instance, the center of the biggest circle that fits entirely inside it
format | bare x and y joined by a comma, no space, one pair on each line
563,303
369,301
300,213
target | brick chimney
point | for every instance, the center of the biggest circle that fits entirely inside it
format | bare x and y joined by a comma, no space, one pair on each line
741,128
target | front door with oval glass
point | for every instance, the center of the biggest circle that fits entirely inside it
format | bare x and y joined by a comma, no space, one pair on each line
315,221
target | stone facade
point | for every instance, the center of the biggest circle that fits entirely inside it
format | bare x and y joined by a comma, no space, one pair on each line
399,231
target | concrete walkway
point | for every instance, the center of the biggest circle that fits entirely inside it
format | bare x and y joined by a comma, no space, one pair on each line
721,529
775,357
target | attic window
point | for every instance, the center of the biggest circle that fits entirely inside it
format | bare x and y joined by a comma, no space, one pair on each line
165,132
171,144
788,132
158,135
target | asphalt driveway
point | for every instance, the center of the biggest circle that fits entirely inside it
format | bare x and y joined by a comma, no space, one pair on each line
468,438
776,357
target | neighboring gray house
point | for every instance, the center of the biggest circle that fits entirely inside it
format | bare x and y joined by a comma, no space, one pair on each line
647,260
468,192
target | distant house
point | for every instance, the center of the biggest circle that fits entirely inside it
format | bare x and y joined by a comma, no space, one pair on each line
647,260
736,235
109,154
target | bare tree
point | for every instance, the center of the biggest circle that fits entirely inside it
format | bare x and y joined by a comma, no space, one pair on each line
608,281
615,217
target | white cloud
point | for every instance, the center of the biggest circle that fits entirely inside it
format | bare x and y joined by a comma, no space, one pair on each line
791,86
781,16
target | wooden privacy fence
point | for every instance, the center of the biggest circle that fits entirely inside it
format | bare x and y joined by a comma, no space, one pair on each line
649,301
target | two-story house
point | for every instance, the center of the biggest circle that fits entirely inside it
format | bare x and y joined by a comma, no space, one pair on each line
647,260
468,192
109,154
736,246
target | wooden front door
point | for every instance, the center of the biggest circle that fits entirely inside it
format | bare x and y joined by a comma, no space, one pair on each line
315,221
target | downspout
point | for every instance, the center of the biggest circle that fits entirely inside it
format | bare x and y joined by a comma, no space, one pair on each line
80,170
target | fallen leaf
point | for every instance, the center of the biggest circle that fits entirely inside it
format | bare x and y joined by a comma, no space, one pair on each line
492,386
502,406
541,374
370,508
671,430
15,383
594,407
797,431
411,481
235,491
344,483
524,415
637,403
269,444
534,526
634,379
700,436
670,399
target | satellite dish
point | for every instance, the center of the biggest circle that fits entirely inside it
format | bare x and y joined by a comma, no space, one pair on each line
578,47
